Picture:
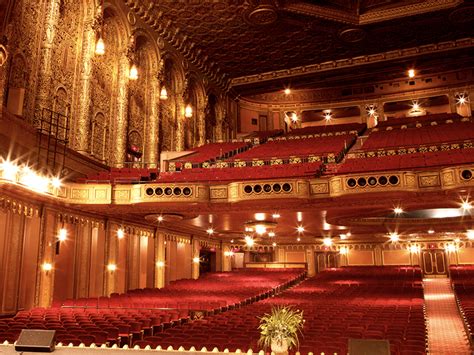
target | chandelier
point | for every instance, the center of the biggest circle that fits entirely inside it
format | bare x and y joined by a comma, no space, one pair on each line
260,228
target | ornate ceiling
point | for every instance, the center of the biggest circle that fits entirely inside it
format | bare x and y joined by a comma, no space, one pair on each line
238,38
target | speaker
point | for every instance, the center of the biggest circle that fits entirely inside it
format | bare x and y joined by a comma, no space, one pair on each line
369,347
36,340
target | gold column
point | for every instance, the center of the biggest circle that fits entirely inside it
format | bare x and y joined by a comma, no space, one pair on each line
160,265
133,268
151,143
13,260
219,121
195,254
120,134
43,90
201,121
310,262
83,247
45,279
111,256
4,69
179,138
83,138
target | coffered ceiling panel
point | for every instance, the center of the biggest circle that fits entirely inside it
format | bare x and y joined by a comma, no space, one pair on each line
241,38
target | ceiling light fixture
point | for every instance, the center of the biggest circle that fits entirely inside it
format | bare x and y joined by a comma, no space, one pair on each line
466,205
210,231
300,229
276,215
398,210
394,237
287,91
327,241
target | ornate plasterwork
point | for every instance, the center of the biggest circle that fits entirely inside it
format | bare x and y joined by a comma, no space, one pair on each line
353,61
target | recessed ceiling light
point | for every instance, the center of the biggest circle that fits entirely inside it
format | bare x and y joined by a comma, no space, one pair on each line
327,241
300,229
394,237
398,210
276,215
210,231
431,231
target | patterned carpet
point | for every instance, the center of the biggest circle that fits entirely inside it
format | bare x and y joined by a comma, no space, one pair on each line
446,334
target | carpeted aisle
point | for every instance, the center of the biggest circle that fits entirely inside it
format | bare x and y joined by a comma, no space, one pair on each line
446,334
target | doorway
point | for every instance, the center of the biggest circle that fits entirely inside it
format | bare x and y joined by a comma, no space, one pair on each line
326,260
434,262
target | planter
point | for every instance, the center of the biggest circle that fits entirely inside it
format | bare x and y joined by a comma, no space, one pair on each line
280,347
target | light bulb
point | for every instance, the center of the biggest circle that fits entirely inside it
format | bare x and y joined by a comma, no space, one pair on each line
133,74
163,94
100,47
188,111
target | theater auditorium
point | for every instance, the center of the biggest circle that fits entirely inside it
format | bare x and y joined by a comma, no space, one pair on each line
171,171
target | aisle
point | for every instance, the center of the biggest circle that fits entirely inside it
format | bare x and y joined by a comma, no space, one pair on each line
446,334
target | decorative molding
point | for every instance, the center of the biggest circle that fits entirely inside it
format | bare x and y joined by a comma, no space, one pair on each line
354,61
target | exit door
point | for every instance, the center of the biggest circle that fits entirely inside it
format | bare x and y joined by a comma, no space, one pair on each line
434,262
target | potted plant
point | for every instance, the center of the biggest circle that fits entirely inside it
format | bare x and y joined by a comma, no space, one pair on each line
279,329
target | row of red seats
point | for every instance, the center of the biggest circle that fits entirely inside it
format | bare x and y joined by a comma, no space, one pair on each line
407,161
440,118
128,317
413,137
124,175
321,146
338,304
462,277
333,128
244,173
213,151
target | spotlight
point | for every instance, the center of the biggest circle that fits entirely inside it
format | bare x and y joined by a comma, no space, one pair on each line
62,235
394,237
466,205
470,234
327,241
120,233
398,210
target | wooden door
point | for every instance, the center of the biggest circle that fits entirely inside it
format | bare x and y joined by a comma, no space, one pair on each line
434,262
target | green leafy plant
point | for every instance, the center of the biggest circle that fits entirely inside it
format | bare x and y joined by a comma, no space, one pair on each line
282,324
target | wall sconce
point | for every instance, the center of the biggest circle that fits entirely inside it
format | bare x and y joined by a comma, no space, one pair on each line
111,267
133,73
229,253
196,260
160,264
188,111
62,235
47,267
98,26
120,233
411,73
343,251
415,249
163,93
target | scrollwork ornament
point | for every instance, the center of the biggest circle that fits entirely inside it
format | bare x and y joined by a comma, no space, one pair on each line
3,55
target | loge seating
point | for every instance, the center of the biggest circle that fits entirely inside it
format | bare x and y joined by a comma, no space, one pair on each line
123,175
320,146
336,128
244,173
213,151
439,118
338,304
407,161
462,278
413,137
123,319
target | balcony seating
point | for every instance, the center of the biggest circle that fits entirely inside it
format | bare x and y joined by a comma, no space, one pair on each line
320,146
426,120
213,151
338,304
407,161
332,128
413,137
244,173
123,175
